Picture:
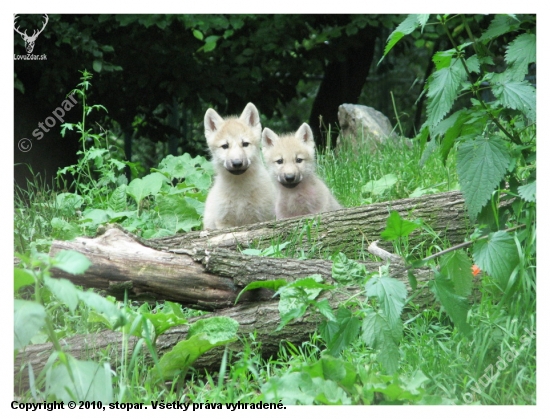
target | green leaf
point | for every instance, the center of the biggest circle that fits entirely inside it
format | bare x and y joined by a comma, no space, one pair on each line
458,268
203,335
378,187
443,87
148,185
62,230
339,334
391,295
405,28
500,25
198,34
290,389
518,95
79,381
521,52
176,213
29,317
498,256
271,284
71,261
397,227
528,192
346,271
481,165
379,334
64,290
22,278
97,302
455,305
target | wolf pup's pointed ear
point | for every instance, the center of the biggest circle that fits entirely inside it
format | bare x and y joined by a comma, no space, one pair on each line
212,122
268,137
251,117
305,134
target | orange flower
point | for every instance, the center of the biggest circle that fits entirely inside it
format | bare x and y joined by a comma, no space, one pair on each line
476,270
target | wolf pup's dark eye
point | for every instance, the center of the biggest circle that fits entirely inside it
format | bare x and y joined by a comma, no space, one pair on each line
280,161
299,160
245,144
225,146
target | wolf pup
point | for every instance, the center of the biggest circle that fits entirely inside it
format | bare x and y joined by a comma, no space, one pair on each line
291,161
243,192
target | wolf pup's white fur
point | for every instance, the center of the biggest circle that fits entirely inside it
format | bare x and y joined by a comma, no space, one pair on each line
242,192
291,161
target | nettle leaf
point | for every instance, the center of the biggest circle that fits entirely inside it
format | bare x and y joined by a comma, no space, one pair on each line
518,95
521,52
443,59
454,304
75,380
497,255
500,25
71,261
473,64
391,295
528,192
379,334
405,28
28,319
177,213
346,271
443,87
397,227
458,268
341,332
481,165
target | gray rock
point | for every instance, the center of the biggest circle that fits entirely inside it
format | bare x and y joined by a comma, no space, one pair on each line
364,124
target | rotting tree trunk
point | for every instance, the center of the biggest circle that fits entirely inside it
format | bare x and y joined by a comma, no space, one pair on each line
344,230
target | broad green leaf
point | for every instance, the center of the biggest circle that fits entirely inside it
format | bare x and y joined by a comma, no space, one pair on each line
28,319
455,305
378,187
500,25
117,201
64,290
521,52
443,59
518,95
391,294
339,334
95,216
481,165
62,230
528,192
443,87
176,213
71,262
397,227
202,336
69,202
497,255
473,64
22,278
346,271
198,34
148,185
450,129
458,268
379,334
79,381
271,284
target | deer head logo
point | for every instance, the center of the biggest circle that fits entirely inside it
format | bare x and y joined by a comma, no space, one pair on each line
29,40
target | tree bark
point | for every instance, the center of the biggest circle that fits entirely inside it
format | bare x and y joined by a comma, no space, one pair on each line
345,230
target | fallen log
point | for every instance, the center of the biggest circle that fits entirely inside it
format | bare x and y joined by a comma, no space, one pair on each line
344,230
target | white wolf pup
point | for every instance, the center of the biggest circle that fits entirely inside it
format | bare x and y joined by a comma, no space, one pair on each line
291,161
242,192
